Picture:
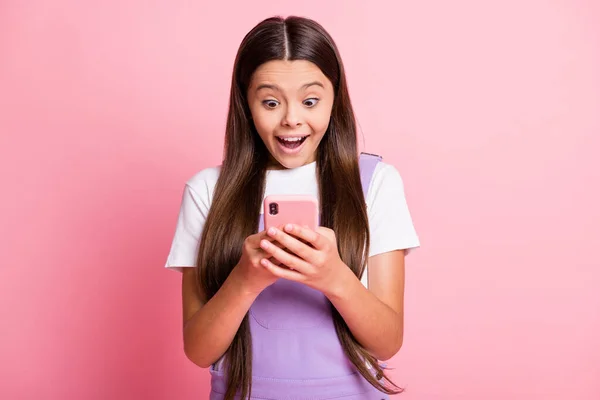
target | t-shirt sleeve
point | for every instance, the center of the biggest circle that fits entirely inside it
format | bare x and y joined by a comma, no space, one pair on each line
190,222
390,222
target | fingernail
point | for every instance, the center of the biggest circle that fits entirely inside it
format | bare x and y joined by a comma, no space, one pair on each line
289,227
272,231
264,244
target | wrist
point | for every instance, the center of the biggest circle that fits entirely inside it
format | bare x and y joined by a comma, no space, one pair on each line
342,285
241,284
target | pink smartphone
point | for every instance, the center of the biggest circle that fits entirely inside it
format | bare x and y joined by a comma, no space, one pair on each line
291,209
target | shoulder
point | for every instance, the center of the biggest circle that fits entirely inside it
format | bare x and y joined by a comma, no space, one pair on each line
386,175
384,169
386,187
204,180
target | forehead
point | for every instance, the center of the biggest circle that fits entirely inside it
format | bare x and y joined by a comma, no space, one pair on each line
288,75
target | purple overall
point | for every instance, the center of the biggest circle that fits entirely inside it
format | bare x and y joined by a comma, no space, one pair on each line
296,353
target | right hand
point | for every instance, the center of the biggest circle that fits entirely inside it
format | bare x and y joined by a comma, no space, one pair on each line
254,275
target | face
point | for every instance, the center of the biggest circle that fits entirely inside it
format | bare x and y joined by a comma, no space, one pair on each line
290,103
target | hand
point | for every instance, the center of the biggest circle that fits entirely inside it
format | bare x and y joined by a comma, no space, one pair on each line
254,276
316,262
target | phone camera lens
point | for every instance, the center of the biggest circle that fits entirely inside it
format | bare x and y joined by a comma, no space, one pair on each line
273,208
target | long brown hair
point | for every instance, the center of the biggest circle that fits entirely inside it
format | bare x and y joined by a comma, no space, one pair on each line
239,190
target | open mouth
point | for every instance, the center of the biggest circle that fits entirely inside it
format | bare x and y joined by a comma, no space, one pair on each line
291,142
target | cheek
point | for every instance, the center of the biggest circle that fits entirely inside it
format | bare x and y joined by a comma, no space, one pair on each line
264,123
320,122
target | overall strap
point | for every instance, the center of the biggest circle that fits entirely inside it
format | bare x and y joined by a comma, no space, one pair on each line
367,163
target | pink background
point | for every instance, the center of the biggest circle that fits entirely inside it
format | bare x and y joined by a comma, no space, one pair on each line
490,110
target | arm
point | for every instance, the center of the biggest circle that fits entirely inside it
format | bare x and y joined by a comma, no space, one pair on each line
375,316
209,328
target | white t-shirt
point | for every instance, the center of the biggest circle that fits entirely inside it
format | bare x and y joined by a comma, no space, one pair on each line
390,222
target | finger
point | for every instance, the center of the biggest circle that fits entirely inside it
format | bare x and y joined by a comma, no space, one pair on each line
282,272
295,246
315,239
287,259
274,261
260,254
254,240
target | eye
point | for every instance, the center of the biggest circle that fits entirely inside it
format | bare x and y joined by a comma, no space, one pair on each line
311,102
270,103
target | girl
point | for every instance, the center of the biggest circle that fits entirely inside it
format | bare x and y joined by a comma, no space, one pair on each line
292,312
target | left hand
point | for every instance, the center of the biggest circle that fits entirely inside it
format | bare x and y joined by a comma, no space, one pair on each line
319,266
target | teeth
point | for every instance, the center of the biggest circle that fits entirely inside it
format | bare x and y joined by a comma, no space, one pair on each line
295,139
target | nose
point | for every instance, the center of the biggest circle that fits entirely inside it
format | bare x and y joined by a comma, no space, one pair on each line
292,117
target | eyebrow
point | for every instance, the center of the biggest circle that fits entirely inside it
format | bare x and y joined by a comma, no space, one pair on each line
275,87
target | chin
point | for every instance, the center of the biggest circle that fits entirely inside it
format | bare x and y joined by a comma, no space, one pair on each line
290,162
